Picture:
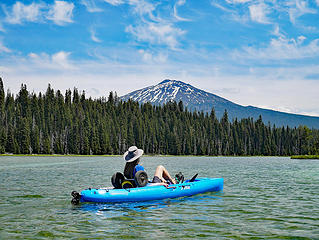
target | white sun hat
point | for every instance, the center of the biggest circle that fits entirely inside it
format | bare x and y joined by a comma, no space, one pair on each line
132,154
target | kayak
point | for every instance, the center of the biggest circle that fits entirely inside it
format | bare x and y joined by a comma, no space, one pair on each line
152,191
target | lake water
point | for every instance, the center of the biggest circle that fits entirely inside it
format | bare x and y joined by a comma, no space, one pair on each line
263,198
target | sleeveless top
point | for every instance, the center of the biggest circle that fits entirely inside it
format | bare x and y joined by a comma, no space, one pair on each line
138,168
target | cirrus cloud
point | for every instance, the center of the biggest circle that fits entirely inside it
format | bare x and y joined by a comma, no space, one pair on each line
299,8
91,6
3,48
238,1
178,4
114,2
93,35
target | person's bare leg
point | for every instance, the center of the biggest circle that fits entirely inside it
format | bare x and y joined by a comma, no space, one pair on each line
163,174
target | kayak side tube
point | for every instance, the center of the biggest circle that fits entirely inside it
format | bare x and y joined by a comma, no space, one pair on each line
153,192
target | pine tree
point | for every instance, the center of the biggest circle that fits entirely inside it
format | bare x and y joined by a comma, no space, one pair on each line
35,140
73,124
2,98
24,136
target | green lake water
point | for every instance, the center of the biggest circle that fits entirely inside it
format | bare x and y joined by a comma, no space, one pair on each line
263,198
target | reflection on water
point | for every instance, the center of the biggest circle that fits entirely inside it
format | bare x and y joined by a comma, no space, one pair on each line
263,197
110,210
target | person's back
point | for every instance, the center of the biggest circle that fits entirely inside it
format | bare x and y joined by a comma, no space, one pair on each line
132,158
131,168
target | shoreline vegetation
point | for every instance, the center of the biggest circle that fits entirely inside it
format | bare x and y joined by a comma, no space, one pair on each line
54,155
305,157
144,155
53,124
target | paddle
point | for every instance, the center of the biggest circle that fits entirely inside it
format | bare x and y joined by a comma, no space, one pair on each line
193,178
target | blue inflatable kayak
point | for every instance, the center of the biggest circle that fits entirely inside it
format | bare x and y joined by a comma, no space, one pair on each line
152,191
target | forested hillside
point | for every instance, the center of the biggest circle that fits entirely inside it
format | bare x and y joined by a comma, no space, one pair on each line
53,123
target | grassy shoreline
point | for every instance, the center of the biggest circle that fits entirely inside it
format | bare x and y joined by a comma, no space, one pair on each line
305,157
54,155
106,155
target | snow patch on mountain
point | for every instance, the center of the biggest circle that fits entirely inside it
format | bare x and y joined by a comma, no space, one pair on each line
173,90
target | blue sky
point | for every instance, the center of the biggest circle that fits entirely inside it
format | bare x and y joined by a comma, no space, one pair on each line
263,53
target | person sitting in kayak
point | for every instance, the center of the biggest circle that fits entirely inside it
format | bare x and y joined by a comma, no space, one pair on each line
132,166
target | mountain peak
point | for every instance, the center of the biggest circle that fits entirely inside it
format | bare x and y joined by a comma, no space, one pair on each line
166,81
171,81
174,90
198,100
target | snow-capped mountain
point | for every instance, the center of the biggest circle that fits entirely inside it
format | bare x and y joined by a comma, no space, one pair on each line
173,90
199,100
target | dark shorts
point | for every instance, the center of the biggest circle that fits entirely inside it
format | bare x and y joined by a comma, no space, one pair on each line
156,179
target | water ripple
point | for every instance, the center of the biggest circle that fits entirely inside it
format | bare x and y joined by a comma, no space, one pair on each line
263,198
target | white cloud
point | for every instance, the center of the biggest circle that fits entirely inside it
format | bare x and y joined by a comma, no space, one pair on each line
21,12
260,10
218,5
238,1
143,8
277,32
157,33
151,28
56,61
148,26
258,13
148,57
177,4
61,59
114,2
39,69
91,6
61,12
234,14
299,8
3,48
282,48
33,55
301,39
93,36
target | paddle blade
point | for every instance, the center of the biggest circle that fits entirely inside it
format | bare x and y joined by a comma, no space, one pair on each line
193,178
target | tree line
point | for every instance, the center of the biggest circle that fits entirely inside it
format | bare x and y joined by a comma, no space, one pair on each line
53,123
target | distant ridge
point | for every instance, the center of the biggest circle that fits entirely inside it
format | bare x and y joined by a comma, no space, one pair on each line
199,100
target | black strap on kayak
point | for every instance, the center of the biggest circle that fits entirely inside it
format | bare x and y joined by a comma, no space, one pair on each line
172,187
193,178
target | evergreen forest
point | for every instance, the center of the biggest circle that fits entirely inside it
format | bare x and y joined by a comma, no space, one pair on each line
53,123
